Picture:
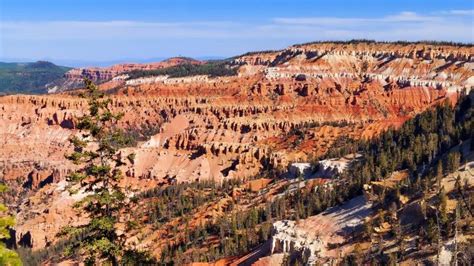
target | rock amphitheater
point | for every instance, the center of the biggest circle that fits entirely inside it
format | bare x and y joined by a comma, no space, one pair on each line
283,107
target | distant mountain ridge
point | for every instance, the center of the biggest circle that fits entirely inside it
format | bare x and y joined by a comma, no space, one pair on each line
43,76
85,63
29,78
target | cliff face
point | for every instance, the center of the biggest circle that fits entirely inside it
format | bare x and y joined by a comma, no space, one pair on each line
424,65
283,107
74,78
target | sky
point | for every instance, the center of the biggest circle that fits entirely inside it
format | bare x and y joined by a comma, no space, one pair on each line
82,32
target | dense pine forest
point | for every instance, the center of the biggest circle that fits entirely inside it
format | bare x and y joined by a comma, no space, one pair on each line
211,69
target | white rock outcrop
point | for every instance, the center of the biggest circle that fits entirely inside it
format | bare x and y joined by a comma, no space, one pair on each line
287,238
297,169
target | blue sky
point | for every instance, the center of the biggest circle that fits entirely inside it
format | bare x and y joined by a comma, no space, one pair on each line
94,31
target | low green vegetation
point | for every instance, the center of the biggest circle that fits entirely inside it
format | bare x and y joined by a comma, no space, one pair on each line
30,78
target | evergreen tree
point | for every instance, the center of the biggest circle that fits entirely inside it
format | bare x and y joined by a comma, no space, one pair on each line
96,150
368,229
443,205
432,232
453,161
439,173
7,257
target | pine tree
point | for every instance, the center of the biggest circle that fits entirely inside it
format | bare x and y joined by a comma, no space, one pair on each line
7,257
439,173
453,161
432,232
443,205
368,229
96,150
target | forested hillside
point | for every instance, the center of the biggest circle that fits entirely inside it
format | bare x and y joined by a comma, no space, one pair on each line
30,78
212,69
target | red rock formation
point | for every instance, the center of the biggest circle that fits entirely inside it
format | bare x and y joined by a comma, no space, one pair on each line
284,106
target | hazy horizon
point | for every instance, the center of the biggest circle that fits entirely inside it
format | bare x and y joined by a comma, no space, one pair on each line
93,63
